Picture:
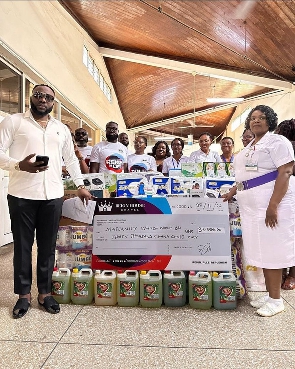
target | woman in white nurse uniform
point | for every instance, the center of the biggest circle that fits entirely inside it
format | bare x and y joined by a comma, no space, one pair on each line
266,196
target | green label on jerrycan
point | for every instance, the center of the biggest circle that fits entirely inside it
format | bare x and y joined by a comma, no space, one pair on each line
57,288
127,289
200,292
226,294
175,290
81,289
104,290
151,291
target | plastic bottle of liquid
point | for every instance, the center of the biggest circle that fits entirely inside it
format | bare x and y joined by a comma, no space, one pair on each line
82,286
60,285
105,287
151,294
174,285
200,290
127,288
224,291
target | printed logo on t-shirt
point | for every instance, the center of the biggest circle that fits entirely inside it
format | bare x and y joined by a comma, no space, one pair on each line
114,163
139,167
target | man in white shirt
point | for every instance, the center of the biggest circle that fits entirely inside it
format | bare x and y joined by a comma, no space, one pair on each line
109,156
81,139
35,192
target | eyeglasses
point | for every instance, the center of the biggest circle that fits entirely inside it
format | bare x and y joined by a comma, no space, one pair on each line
40,95
263,117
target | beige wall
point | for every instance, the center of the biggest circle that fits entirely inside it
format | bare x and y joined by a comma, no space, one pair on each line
282,105
46,38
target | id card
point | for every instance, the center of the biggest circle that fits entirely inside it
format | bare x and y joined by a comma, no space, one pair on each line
251,165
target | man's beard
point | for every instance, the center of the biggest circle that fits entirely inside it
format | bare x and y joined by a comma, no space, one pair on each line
40,113
112,137
82,142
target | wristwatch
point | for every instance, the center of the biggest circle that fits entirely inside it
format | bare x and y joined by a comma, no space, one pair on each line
16,167
81,187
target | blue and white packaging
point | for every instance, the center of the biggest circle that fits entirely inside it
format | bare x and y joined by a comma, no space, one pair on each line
216,187
131,184
161,185
183,185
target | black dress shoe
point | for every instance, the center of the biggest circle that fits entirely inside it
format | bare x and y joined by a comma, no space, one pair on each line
50,305
21,308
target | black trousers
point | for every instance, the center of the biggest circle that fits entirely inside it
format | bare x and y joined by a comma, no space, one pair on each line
26,217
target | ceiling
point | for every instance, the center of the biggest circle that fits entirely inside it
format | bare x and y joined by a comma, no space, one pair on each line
165,58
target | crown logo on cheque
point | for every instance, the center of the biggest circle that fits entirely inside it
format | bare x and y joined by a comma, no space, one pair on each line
104,206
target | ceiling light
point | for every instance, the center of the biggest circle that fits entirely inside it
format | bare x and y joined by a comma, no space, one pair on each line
224,99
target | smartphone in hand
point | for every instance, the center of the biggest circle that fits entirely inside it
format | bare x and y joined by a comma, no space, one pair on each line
45,160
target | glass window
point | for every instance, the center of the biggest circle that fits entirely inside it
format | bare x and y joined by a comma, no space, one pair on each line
28,92
70,119
101,82
85,56
95,73
90,65
90,132
10,82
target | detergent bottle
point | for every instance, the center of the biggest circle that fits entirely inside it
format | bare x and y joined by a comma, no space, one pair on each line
200,290
127,288
174,285
105,287
82,286
224,291
151,294
60,285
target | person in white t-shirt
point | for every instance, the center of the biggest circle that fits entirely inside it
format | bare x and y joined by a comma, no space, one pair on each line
204,154
174,161
109,156
141,162
81,139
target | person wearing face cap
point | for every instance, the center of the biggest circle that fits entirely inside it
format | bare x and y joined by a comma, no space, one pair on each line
35,192
109,156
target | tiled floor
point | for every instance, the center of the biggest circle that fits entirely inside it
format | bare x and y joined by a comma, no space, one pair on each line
126,338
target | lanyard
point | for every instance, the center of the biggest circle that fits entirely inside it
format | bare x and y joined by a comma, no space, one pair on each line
178,162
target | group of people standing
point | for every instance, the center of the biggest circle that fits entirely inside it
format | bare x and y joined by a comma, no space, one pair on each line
113,155
264,175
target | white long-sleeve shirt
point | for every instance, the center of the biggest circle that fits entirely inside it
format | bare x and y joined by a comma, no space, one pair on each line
22,136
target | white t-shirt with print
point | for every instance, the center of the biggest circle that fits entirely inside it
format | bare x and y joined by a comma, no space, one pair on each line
141,163
111,156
